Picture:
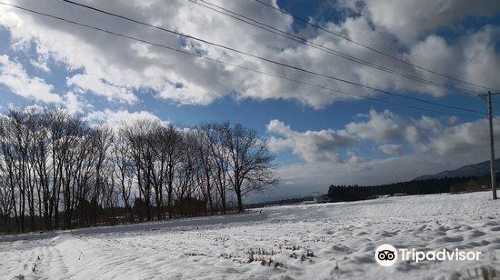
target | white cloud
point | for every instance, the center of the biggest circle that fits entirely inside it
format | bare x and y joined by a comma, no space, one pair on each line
479,58
410,20
466,138
114,67
434,150
40,64
392,149
72,103
437,146
116,119
353,159
452,120
380,127
85,83
187,94
311,146
429,124
426,136
414,137
14,76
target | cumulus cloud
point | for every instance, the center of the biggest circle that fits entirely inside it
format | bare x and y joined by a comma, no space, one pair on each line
409,20
14,76
388,133
89,83
392,149
480,57
380,127
414,137
429,124
466,138
116,119
430,150
115,67
353,159
72,103
311,146
187,94
128,64
40,64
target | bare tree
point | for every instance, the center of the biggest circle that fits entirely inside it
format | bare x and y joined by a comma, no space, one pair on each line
188,171
6,202
124,172
250,162
171,146
207,166
142,156
219,155
55,167
42,164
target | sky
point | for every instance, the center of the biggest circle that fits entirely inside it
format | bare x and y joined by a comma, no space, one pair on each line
320,137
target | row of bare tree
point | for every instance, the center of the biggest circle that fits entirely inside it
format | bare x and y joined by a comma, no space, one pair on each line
57,171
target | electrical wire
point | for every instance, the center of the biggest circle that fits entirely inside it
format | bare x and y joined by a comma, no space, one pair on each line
304,41
316,26
229,64
311,72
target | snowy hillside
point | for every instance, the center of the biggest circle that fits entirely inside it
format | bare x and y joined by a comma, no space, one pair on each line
329,241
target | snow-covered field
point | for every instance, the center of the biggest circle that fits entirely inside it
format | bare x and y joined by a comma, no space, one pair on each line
329,241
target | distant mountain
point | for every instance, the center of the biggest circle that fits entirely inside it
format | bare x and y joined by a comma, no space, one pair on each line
478,170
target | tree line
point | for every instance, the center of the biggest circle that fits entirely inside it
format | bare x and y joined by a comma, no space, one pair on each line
59,171
416,187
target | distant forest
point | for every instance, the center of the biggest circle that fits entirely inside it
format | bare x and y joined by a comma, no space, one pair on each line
338,193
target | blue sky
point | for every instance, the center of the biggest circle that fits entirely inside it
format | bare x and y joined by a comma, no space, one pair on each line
320,138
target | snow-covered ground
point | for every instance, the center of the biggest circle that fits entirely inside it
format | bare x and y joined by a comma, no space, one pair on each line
328,241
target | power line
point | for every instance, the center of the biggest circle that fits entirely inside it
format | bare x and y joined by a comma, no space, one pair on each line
270,60
368,47
304,41
226,63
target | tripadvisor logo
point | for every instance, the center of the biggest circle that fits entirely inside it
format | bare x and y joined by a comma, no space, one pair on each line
387,255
